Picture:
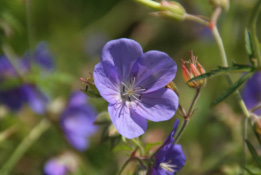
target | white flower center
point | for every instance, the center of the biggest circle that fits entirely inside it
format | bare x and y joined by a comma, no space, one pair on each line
130,92
167,166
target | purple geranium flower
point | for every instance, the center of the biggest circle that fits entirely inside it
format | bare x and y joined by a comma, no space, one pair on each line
133,84
61,165
77,121
252,92
15,96
55,167
170,158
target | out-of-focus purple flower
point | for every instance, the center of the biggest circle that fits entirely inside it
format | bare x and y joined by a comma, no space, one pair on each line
41,57
170,158
252,92
15,96
133,84
61,165
77,121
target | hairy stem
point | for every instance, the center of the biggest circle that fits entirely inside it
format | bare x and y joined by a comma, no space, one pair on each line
197,19
187,116
239,99
138,144
8,132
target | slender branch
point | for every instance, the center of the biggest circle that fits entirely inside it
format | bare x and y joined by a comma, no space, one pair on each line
257,107
245,123
138,144
182,129
182,110
187,116
195,19
27,142
239,99
193,103
220,45
216,15
8,132
127,162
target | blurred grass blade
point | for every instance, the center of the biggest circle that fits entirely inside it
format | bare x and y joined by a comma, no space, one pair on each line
248,171
254,153
254,39
232,89
222,70
249,47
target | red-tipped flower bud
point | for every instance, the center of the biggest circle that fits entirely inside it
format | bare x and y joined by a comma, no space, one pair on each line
193,69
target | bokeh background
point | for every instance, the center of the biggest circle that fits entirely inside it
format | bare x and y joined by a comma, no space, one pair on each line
76,32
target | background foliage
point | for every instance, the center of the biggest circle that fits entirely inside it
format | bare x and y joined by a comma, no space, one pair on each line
77,30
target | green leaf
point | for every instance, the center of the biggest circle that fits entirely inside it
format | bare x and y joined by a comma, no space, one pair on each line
249,172
248,42
249,47
114,141
253,153
223,70
232,89
91,93
150,145
122,147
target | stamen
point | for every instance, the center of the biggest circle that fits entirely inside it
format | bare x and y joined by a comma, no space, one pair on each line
167,166
130,92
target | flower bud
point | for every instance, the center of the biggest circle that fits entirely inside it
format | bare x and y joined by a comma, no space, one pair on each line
173,87
173,10
257,123
90,88
166,9
193,69
224,4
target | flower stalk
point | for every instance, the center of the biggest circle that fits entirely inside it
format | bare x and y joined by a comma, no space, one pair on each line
187,115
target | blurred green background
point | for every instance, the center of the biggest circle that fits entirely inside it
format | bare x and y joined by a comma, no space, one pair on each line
77,30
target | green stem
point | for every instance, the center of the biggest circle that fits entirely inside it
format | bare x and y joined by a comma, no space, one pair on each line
127,162
193,103
195,19
182,129
34,134
138,144
8,132
255,43
187,116
220,46
245,124
230,81
151,4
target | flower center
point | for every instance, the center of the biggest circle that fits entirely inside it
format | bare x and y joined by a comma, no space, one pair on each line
168,167
130,92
